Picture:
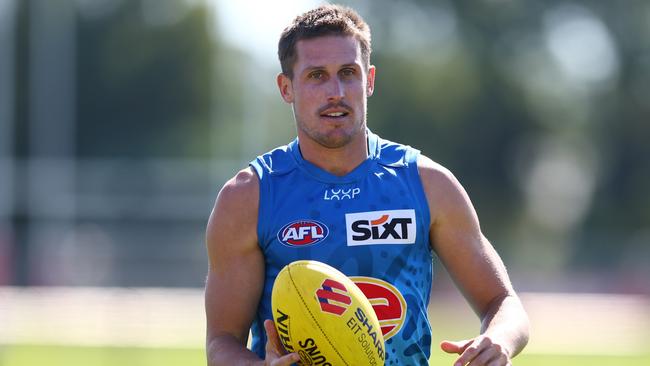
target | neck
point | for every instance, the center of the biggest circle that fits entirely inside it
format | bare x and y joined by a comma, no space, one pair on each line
338,161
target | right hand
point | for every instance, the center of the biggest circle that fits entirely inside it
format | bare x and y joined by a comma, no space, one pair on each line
275,355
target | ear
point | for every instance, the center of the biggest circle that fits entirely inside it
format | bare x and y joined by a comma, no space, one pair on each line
370,87
286,87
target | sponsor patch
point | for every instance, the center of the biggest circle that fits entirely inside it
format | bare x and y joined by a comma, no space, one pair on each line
386,300
381,227
302,233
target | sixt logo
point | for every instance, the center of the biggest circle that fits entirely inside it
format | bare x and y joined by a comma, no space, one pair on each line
381,227
329,299
302,232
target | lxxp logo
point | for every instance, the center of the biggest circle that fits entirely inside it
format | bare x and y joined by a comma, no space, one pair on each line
381,227
341,194
333,297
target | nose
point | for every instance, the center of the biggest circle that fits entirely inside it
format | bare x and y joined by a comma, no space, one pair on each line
336,90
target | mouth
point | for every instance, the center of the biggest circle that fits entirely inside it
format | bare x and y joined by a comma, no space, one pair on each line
335,114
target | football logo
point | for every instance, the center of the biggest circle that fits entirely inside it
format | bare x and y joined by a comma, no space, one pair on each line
386,300
282,323
310,354
333,297
302,233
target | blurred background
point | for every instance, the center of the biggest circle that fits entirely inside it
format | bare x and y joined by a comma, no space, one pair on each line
121,119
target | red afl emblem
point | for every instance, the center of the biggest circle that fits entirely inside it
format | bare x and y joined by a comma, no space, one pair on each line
302,232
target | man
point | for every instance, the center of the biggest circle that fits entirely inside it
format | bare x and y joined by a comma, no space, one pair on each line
374,209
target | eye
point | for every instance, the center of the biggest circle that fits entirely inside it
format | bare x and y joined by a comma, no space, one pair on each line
348,72
318,75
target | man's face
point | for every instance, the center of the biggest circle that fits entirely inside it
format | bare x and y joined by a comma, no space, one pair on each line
329,90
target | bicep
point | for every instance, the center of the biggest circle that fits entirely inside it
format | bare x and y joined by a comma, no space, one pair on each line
457,239
236,264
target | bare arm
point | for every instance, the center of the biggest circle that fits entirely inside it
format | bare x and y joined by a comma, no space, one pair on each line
235,276
476,269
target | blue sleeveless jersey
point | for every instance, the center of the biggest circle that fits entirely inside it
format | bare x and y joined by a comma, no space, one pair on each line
372,224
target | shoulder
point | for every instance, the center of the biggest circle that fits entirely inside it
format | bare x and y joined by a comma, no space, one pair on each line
445,194
235,208
436,177
243,186
239,195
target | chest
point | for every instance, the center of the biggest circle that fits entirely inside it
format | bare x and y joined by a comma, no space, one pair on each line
360,226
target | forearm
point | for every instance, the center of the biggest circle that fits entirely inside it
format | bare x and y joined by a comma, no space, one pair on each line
227,350
506,322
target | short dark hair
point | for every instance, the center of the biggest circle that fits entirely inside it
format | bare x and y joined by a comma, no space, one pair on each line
326,20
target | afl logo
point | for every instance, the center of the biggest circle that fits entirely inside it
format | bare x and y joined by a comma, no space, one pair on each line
302,232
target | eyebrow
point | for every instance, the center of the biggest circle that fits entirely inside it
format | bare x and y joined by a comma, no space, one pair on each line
313,68
351,65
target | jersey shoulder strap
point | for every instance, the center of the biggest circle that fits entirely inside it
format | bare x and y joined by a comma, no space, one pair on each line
396,155
275,162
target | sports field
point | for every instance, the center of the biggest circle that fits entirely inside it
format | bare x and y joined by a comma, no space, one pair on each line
105,356
161,327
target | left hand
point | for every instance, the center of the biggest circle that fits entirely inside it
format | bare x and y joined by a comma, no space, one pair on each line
479,351
275,353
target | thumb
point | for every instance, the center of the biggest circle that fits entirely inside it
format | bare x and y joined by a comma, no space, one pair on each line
455,346
272,339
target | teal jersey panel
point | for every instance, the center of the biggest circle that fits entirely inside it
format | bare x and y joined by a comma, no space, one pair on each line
372,224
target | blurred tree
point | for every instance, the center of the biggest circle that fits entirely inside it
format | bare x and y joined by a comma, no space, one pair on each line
541,109
144,80
446,94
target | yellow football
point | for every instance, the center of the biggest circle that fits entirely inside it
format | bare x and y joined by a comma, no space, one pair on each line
324,317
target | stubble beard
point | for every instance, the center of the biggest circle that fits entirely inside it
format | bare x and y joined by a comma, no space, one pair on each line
335,138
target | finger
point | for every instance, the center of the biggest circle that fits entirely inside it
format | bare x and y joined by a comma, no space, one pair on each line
487,351
490,353
272,338
471,351
286,360
455,346
500,362
486,357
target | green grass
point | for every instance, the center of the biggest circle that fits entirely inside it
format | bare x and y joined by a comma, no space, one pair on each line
98,356
546,360
23,355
